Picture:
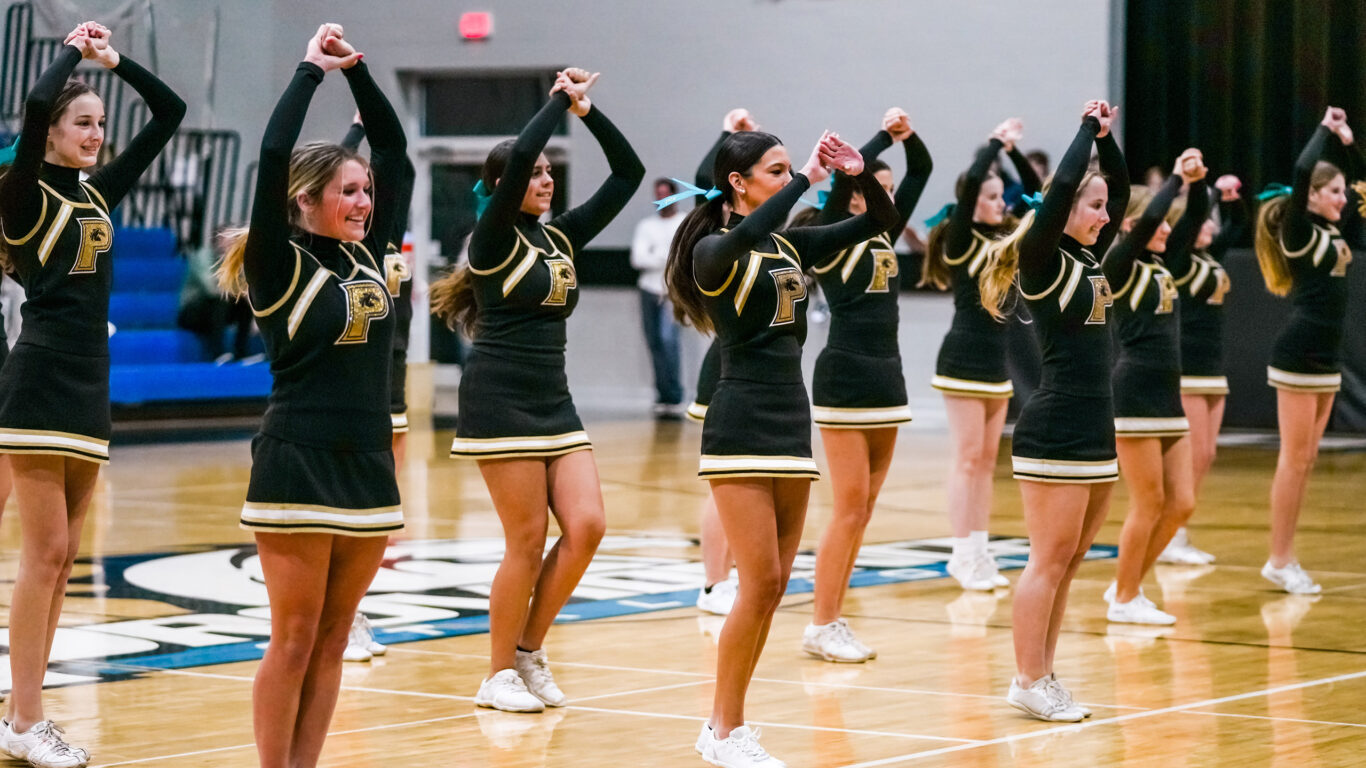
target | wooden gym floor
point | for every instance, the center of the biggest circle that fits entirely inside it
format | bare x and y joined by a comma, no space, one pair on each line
1248,676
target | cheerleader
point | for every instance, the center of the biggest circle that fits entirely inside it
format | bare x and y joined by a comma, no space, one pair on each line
1302,254
1150,427
1203,383
322,497
54,387
1064,442
743,277
516,416
858,393
971,368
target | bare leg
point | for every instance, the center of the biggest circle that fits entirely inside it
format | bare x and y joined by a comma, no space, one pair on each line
859,460
518,488
1140,459
1055,516
1178,496
1097,506
716,559
1302,417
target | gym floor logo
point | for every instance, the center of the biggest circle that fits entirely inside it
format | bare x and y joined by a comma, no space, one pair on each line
216,610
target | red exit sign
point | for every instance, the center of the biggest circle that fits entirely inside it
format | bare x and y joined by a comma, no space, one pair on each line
476,25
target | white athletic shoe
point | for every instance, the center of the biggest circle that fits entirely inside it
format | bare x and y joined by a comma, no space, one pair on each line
989,566
1179,551
1109,595
42,745
833,642
1082,708
506,691
1043,700
973,571
534,668
360,643
720,599
740,749
1291,578
868,650
1140,610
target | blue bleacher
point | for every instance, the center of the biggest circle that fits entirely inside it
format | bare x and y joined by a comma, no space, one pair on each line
152,360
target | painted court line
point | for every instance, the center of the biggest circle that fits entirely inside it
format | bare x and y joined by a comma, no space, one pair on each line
1281,719
1109,720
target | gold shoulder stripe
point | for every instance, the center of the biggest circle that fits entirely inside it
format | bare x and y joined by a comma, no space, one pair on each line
1062,270
851,262
1145,276
293,283
794,257
568,246
59,196
53,232
1071,288
1129,281
310,292
733,268
358,266
90,190
516,245
42,216
532,256
756,260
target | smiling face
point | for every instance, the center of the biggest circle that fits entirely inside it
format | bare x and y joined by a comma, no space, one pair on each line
343,208
75,138
540,190
1088,214
991,203
1329,200
762,181
1158,242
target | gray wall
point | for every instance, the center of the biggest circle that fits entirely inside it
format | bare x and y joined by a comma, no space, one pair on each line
671,70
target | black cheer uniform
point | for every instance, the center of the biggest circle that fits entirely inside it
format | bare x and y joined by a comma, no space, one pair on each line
1066,430
972,357
858,382
707,377
514,396
398,278
1305,355
1203,288
759,420
322,461
1147,373
54,387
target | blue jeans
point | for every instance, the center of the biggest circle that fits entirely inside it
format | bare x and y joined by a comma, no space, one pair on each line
661,335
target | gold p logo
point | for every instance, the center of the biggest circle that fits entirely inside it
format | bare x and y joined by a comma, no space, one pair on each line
396,273
1166,296
1101,299
791,289
562,278
365,301
1222,286
1344,258
96,238
884,267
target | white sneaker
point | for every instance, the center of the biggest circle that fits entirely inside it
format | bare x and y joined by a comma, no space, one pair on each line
1109,595
1140,610
534,668
833,642
1044,701
42,745
1066,694
1179,551
738,750
988,566
702,738
1291,578
973,572
360,643
506,691
720,599
867,650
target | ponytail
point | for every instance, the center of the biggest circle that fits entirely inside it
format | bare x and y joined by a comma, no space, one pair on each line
231,278
452,300
1267,244
678,270
934,271
1003,263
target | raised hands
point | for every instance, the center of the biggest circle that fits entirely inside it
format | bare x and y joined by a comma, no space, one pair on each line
831,154
897,124
92,40
1228,186
328,50
738,120
575,82
1190,166
1103,113
1009,132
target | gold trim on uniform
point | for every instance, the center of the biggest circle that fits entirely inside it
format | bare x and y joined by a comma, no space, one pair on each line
712,466
315,518
293,283
49,442
42,216
968,388
977,252
860,418
310,292
1145,426
697,412
366,301
396,273
1204,385
1303,382
1061,471
511,447
399,421
53,232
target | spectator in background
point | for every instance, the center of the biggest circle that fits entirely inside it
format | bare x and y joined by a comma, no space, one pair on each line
206,312
649,252
1039,160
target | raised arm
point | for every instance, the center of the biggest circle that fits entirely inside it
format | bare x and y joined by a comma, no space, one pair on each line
355,134
1025,169
493,234
114,180
1181,241
21,200
703,178
958,236
919,166
582,223
715,253
815,244
842,187
388,152
1233,220
1119,260
1039,246
1295,227
1116,173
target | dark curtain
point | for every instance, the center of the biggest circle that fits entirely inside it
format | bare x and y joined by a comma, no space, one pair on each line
1247,81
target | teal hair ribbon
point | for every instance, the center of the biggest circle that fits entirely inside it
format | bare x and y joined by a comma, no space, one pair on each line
1035,200
689,190
821,197
482,196
1273,190
942,214
7,154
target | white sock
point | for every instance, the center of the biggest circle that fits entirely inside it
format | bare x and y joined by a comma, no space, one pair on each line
963,546
978,541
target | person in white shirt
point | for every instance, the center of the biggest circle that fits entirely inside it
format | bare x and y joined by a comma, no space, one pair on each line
649,251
